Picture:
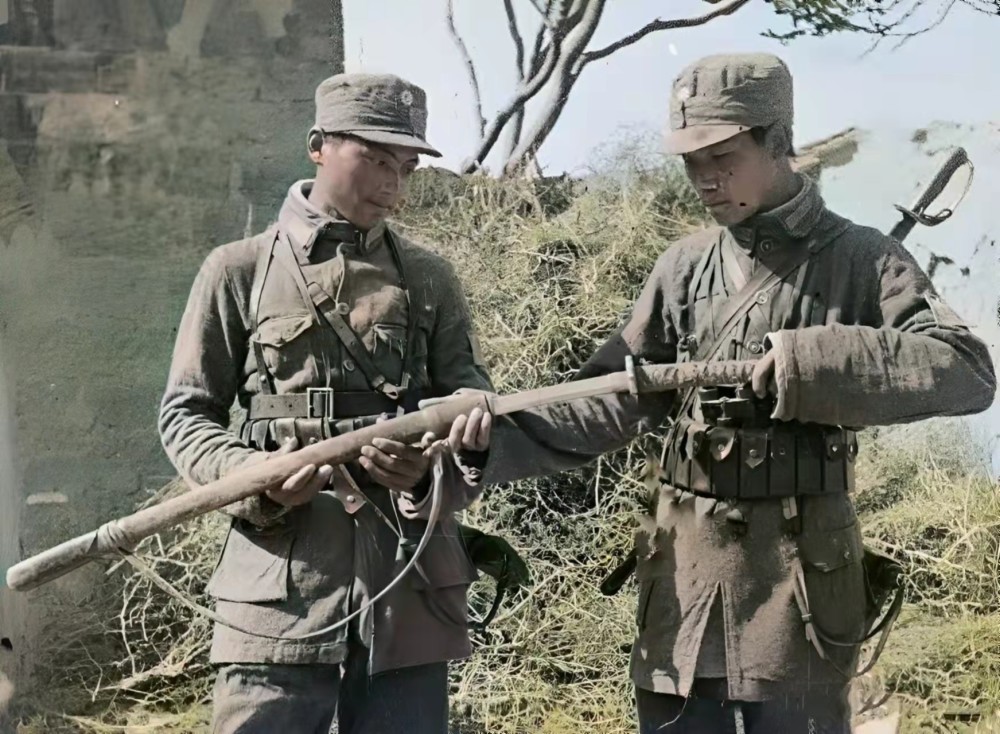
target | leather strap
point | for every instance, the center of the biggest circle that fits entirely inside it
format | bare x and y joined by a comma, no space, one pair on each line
319,403
264,257
738,305
324,310
286,257
328,309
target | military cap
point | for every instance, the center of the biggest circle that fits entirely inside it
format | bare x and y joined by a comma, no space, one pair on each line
381,108
720,96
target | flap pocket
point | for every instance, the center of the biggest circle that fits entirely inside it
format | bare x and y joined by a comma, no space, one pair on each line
278,331
389,338
721,442
254,565
835,594
445,562
829,550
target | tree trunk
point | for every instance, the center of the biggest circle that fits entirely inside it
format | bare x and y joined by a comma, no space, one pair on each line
564,77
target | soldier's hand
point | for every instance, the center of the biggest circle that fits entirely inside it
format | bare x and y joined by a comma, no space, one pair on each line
396,465
468,432
302,486
763,379
471,432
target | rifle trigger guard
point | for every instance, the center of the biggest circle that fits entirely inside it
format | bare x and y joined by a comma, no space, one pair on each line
633,385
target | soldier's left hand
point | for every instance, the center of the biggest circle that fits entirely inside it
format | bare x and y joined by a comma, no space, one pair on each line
396,465
763,380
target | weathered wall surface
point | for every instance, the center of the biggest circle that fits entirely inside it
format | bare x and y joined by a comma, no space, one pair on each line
143,133
893,166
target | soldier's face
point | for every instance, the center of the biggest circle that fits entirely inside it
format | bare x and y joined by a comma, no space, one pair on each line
734,178
363,181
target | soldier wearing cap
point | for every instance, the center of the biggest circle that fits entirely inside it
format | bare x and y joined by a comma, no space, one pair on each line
322,324
750,566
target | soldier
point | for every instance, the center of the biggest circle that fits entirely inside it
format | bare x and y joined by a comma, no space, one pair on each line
752,599
322,324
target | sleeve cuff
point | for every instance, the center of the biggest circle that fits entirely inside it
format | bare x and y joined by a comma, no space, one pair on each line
777,343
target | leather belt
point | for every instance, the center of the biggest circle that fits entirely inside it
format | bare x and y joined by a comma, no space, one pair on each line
320,403
744,463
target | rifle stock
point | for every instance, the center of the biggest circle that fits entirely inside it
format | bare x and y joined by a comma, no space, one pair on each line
125,533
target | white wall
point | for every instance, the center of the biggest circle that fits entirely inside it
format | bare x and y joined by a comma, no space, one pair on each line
892,167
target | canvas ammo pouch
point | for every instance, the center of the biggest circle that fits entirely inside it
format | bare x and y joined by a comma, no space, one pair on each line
312,416
748,460
883,583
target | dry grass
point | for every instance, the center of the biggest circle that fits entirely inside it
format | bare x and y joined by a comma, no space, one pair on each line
550,269
929,501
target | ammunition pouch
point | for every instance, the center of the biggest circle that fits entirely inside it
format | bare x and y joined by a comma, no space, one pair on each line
495,557
783,460
735,406
313,416
883,583
883,577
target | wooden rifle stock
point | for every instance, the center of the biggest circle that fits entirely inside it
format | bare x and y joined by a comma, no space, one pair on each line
125,533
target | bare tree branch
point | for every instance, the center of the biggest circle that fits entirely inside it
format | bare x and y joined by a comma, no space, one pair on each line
544,12
588,14
929,27
525,92
660,25
515,34
469,65
535,61
905,36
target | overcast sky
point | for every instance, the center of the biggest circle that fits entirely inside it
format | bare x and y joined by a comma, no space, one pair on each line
949,73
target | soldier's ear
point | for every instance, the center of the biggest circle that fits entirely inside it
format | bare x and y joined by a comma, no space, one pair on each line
314,145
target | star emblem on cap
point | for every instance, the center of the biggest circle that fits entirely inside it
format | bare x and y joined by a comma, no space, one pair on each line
406,97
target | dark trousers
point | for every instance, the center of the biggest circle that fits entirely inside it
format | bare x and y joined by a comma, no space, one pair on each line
661,713
306,699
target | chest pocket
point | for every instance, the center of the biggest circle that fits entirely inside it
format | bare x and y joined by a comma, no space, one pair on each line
288,346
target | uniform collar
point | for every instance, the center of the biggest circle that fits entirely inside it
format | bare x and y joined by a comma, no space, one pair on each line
793,220
305,224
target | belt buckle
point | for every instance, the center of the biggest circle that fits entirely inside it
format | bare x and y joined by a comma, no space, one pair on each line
327,392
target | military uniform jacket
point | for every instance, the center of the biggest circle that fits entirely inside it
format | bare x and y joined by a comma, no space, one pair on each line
861,339
299,573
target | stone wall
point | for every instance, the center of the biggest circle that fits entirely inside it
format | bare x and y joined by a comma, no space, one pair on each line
135,135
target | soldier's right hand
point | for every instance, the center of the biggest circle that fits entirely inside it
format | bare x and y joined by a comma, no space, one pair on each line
471,432
468,432
302,486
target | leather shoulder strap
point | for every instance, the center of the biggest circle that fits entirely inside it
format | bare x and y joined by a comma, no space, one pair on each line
329,311
325,311
414,304
286,257
265,254
738,306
